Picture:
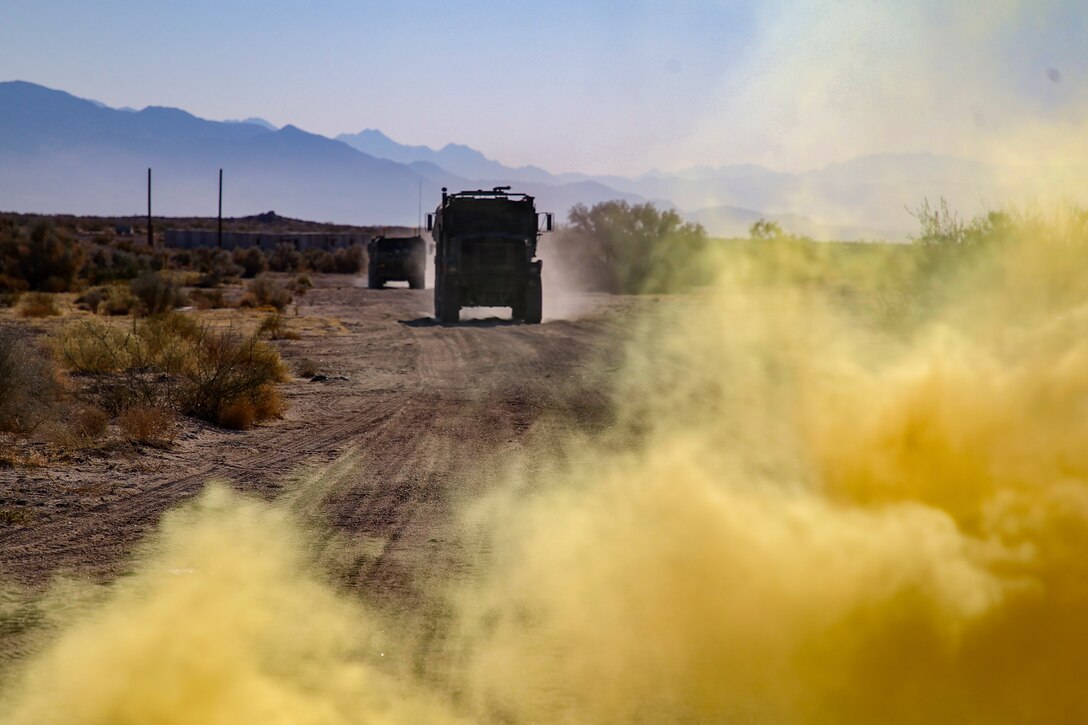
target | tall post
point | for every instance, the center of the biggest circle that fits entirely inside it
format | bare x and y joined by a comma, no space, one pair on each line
150,233
220,227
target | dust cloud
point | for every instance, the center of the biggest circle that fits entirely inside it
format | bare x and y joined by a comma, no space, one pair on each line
809,516
809,510
225,620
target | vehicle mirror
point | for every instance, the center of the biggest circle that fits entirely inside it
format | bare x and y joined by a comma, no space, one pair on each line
430,222
548,221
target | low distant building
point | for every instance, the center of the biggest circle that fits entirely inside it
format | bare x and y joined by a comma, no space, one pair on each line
267,241
123,230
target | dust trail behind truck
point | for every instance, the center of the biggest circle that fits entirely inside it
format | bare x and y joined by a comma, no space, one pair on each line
485,253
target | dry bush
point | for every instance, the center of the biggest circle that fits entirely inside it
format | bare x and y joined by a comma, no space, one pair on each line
171,361
275,325
307,368
39,304
208,299
238,415
157,293
349,260
92,299
119,301
302,284
148,425
251,260
230,369
95,347
284,258
28,384
265,292
215,266
89,422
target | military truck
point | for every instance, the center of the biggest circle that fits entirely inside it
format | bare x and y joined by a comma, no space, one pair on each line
485,249
396,259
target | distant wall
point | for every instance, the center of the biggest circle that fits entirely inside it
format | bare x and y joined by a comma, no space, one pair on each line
195,238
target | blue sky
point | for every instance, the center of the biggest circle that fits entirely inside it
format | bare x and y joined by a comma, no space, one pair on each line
603,87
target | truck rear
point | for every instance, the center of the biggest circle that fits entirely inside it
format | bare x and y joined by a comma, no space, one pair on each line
396,259
485,253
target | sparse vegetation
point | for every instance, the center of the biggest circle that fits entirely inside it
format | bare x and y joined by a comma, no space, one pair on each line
38,304
622,247
28,384
148,425
170,361
263,291
157,293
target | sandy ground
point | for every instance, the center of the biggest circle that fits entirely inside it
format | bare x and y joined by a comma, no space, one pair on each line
425,409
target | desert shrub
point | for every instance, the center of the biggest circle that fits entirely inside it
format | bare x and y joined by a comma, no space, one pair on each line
28,384
108,264
622,247
302,284
44,259
275,326
89,422
182,258
156,293
231,373
92,299
263,291
118,301
149,425
39,304
284,258
252,261
9,298
349,260
307,368
171,361
215,266
208,299
318,260
90,346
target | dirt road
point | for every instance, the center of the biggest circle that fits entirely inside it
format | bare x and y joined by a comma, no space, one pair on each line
425,408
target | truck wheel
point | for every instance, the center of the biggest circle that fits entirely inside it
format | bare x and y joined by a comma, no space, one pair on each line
450,310
416,281
517,310
534,301
372,279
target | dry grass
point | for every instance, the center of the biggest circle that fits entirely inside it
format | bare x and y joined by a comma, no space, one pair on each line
172,361
39,304
276,326
307,368
148,425
263,291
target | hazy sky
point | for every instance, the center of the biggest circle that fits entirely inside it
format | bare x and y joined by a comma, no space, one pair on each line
598,86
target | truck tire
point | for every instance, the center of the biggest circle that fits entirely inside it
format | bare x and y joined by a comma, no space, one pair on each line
517,310
450,304
372,280
416,281
534,301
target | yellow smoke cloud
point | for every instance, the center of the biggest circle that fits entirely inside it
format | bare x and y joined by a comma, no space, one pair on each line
224,621
812,521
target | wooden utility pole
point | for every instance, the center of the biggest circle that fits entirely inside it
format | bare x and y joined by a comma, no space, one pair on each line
220,227
150,233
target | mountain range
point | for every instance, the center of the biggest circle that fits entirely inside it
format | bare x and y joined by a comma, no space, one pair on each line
63,154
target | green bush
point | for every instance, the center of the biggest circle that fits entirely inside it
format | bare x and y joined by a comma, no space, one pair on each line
157,293
252,261
43,260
